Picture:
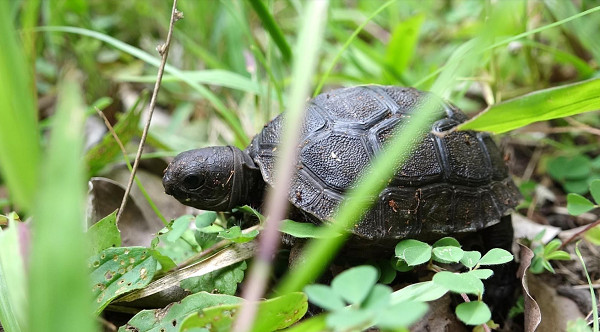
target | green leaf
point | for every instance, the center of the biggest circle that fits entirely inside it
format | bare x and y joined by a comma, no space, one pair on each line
313,324
402,314
558,255
205,219
546,264
402,43
496,256
13,281
551,246
426,291
595,190
108,149
301,230
251,211
593,235
378,298
222,281
578,325
413,252
402,266
473,313
447,254
116,271
387,273
446,242
577,204
324,297
166,263
481,273
354,284
541,105
275,314
576,168
349,320
459,282
576,186
181,249
235,234
178,227
104,234
169,319
211,229
470,258
205,240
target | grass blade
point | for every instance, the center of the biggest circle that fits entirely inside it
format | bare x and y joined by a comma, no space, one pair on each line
13,301
59,285
217,77
19,137
272,27
538,106
402,44
592,291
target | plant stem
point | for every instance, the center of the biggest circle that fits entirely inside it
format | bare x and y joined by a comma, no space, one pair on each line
164,52
576,235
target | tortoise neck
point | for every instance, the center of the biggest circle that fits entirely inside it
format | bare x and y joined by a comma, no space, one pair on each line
248,185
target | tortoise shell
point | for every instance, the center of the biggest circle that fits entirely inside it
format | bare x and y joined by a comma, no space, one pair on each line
453,182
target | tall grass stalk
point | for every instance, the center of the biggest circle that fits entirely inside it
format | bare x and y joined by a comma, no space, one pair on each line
592,290
19,136
59,284
13,289
309,42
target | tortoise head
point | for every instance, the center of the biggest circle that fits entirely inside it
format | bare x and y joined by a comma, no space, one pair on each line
212,178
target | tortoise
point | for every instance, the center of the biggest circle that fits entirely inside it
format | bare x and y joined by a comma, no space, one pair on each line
454,182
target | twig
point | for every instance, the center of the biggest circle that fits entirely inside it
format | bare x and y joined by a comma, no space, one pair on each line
112,131
137,181
583,126
576,235
163,50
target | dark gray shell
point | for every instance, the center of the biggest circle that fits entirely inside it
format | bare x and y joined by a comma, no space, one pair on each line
453,183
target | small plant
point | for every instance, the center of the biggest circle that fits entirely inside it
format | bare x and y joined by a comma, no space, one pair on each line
355,301
577,205
411,253
575,173
544,253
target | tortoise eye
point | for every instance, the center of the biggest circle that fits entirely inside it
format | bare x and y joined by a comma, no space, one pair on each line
193,182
